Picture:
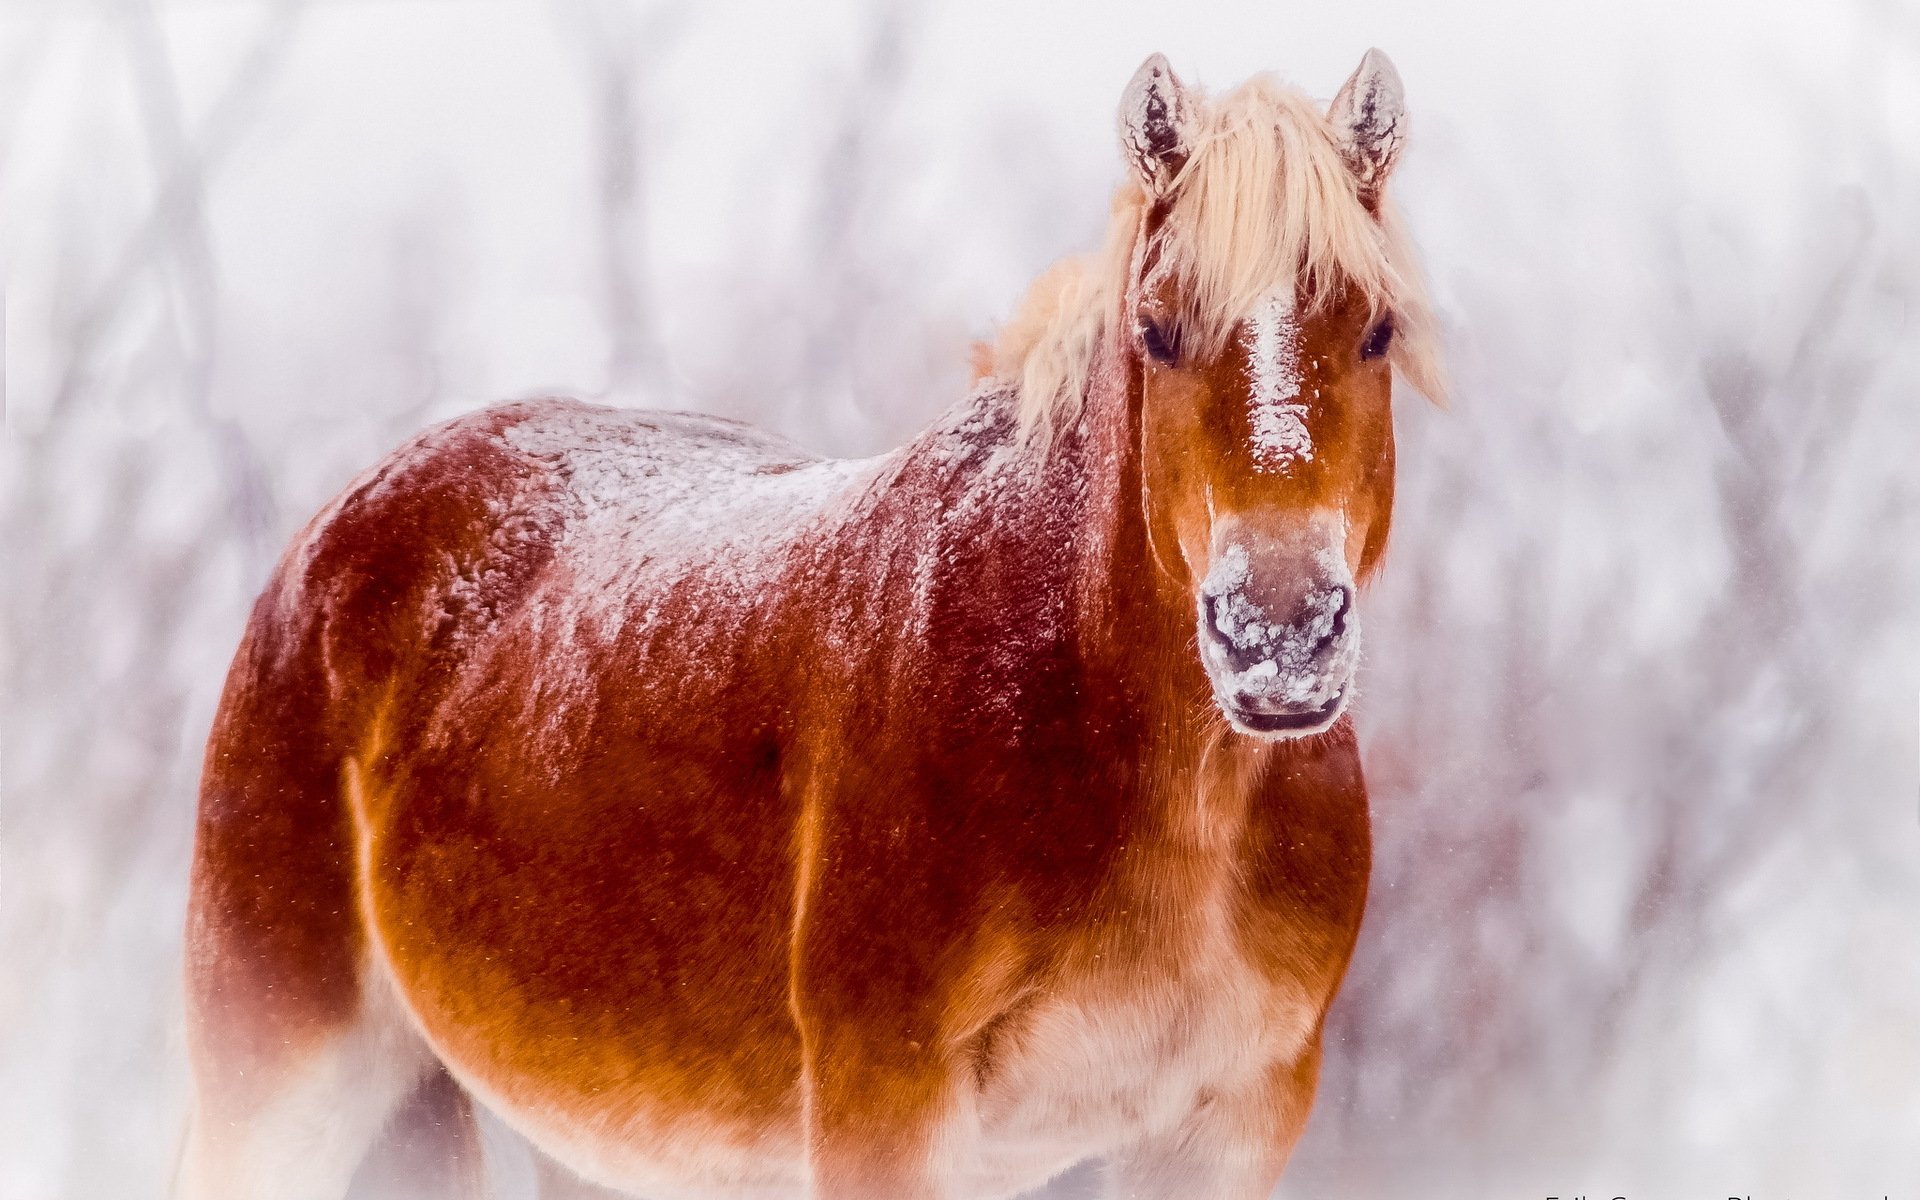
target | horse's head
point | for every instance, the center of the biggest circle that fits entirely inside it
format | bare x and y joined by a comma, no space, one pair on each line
1267,289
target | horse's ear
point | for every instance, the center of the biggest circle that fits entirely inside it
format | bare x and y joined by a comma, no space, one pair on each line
1156,124
1369,119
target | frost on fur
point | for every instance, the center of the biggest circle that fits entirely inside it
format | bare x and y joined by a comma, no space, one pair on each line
1272,343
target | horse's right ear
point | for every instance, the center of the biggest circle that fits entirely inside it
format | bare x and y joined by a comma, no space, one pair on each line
1156,124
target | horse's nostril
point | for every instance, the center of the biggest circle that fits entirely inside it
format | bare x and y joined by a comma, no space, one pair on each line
1340,613
1240,653
1337,628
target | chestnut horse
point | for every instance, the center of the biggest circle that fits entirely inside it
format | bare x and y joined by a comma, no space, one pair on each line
728,820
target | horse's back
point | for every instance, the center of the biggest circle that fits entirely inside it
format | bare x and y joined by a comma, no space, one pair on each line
553,517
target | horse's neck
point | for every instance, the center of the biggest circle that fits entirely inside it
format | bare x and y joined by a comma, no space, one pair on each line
1134,621
1031,570
1128,620
1130,612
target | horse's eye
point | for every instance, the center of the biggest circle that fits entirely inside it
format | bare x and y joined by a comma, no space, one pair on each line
1158,344
1378,338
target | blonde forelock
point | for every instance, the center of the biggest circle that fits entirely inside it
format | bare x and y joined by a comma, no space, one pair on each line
1264,198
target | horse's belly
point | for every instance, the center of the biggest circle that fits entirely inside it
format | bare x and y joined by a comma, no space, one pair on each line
649,1119
625,1012
650,1147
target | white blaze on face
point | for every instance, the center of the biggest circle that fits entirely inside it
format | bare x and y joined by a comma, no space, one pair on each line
1272,343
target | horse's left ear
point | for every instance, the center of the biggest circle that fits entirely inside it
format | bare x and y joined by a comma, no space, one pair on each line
1156,124
1369,119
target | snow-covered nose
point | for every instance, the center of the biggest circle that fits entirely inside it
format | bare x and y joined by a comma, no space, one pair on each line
1278,637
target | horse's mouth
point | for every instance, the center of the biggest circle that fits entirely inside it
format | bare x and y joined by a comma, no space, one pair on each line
1311,720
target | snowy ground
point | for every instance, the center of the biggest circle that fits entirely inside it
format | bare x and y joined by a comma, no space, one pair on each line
1641,694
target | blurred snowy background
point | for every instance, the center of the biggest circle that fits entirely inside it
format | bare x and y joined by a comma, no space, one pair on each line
1645,665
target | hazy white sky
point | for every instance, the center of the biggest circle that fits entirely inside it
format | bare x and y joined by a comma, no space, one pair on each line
476,126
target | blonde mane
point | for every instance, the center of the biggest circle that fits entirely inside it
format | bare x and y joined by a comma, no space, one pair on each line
1264,199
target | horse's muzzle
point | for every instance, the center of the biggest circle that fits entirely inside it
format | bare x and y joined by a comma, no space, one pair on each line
1280,654
1250,717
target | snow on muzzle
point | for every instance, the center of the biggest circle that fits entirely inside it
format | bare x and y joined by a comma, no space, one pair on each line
1278,634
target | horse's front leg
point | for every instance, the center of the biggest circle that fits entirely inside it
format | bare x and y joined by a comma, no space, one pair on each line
1232,1146
871,1115
876,1079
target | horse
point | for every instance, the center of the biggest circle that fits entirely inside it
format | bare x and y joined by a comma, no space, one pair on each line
730,821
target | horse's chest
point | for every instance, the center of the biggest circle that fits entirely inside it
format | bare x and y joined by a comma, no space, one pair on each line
1129,1052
